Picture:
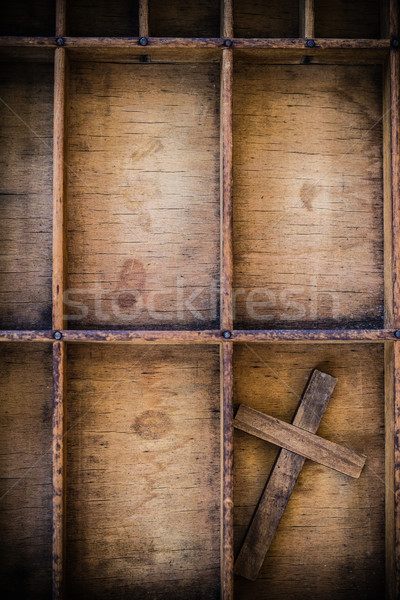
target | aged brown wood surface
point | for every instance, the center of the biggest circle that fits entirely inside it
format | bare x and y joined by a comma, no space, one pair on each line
282,479
273,19
184,18
25,195
25,471
330,542
340,18
103,18
143,224
143,18
300,441
308,196
306,18
143,477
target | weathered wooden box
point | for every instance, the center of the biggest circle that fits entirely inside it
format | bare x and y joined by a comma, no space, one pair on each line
199,205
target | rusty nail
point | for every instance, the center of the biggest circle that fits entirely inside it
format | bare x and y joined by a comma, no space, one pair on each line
57,335
60,41
228,43
395,43
397,334
227,335
310,43
143,41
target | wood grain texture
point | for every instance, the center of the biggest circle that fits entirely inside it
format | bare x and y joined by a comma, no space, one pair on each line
143,195
102,17
226,387
226,28
308,210
343,19
184,18
24,17
260,19
25,195
306,18
59,188
395,179
61,18
299,440
143,472
143,18
59,469
25,471
282,479
226,176
330,542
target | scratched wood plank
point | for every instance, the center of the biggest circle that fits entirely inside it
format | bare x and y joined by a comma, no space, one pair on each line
25,470
143,477
103,18
184,18
257,18
308,205
26,195
331,539
24,17
143,197
343,19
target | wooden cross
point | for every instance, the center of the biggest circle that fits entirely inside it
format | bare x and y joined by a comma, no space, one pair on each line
298,442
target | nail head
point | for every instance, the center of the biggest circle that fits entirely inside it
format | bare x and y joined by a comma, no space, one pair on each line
143,41
395,43
228,43
60,41
57,335
397,334
227,335
310,43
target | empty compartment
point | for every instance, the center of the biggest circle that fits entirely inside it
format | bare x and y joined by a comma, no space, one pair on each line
308,199
330,542
100,18
25,17
26,130
180,18
143,198
25,470
143,483
260,19
343,19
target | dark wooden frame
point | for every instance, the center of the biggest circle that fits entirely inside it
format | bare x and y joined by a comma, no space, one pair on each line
226,336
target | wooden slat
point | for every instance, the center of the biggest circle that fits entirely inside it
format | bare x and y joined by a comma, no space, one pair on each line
61,19
227,19
59,469
282,479
395,179
306,24
313,335
226,191
179,42
300,441
58,187
143,18
226,370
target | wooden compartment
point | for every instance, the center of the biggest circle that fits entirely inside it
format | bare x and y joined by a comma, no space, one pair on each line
143,483
343,19
182,18
28,17
26,129
143,195
308,196
102,18
331,540
25,472
259,19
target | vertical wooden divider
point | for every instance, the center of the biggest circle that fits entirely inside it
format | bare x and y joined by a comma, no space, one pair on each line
226,295
306,19
143,18
391,108
59,348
